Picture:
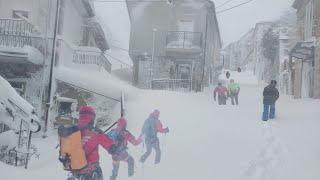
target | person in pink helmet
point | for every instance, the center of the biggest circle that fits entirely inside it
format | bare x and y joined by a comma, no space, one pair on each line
121,136
91,140
151,127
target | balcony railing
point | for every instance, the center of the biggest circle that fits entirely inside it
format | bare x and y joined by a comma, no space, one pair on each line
172,84
18,27
91,57
184,40
18,33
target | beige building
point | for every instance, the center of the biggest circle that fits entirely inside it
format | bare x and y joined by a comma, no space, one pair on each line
304,57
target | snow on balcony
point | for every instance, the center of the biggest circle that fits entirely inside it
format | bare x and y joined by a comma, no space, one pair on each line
83,57
17,43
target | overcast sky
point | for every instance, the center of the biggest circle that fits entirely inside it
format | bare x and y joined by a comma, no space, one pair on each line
236,22
233,24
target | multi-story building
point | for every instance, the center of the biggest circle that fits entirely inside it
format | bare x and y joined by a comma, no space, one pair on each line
25,31
304,57
26,43
259,60
174,45
239,54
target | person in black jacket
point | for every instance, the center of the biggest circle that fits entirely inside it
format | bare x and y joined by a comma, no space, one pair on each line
270,96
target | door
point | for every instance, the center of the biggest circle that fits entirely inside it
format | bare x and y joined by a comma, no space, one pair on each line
306,79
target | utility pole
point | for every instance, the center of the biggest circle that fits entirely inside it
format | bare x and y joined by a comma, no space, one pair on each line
204,51
53,56
152,58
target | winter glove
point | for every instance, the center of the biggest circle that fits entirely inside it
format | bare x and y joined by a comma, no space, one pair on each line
112,149
166,130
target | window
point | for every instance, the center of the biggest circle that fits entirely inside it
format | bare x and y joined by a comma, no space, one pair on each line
19,14
308,24
186,25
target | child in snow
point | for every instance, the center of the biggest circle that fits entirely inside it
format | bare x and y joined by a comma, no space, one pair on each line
150,129
91,139
121,154
270,96
222,94
234,90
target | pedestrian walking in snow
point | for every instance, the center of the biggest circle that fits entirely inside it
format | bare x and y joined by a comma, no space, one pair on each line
151,127
270,96
79,147
222,93
121,136
228,74
234,90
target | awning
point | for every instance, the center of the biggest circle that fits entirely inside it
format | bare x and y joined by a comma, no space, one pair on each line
303,51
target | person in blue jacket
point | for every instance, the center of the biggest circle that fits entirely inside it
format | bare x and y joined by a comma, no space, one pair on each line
270,96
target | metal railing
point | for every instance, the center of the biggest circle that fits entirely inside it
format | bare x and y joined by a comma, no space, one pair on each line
172,84
82,55
18,27
184,39
91,57
18,33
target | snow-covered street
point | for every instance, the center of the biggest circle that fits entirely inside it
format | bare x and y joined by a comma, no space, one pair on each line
207,141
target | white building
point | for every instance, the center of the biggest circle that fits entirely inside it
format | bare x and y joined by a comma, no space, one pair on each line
26,41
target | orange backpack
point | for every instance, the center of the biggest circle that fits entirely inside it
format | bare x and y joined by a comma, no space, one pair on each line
72,154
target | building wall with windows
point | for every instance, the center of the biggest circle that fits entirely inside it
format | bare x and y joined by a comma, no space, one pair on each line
169,41
26,34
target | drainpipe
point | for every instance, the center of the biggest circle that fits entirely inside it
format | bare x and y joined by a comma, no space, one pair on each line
53,55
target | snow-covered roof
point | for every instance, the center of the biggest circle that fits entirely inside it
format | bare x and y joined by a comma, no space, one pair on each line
100,82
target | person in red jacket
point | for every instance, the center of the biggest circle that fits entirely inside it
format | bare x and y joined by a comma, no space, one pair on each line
91,139
222,92
121,137
151,127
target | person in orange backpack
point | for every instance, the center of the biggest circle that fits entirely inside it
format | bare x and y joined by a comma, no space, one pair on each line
91,139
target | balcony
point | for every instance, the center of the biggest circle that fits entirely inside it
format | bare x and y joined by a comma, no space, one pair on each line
83,57
184,85
18,43
183,41
90,56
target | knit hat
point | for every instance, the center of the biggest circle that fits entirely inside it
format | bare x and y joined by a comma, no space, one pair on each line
155,113
86,116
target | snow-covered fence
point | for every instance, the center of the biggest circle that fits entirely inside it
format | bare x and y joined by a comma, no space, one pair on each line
184,39
172,84
83,56
16,27
91,57
17,33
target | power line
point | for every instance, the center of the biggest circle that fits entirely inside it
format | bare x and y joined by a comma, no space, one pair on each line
119,1
119,60
123,49
241,4
223,4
